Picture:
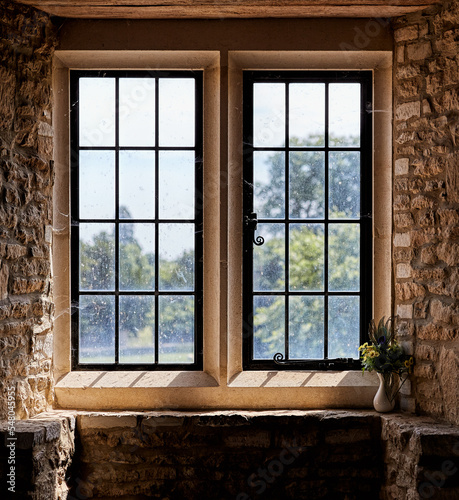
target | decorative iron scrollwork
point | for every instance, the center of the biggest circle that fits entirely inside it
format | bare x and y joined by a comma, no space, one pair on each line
251,223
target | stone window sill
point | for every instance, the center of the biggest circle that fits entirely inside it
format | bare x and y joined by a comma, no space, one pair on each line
261,390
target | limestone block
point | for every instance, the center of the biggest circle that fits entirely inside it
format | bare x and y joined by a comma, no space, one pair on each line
402,239
449,252
441,312
419,51
405,311
408,291
4,276
401,166
407,33
408,110
403,271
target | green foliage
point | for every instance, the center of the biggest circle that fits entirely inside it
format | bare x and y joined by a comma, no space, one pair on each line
306,253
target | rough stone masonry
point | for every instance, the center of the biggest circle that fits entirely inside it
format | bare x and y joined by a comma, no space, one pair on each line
426,204
26,177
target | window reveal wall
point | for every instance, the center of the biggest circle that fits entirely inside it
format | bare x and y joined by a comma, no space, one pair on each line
222,350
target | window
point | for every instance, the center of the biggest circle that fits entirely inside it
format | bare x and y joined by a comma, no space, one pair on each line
307,218
137,223
223,381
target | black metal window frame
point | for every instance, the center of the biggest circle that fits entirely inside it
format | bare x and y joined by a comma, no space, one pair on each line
197,293
365,78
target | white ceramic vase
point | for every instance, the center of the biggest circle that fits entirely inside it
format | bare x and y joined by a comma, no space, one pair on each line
384,399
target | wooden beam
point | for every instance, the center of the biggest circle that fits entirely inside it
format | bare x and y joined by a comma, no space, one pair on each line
212,9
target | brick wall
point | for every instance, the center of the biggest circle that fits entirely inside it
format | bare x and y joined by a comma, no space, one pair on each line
426,202
26,145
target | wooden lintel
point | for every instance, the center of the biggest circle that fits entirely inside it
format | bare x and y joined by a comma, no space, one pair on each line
217,9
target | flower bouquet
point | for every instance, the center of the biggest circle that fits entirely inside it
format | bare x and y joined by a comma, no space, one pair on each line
384,355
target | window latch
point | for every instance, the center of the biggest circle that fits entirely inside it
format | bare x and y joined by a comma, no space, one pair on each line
251,223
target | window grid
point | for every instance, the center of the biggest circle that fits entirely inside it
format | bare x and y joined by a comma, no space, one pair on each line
158,221
364,221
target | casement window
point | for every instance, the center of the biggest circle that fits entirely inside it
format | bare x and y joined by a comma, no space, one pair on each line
137,225
172,304
307,262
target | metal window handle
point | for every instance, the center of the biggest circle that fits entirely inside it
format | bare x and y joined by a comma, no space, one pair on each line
251,223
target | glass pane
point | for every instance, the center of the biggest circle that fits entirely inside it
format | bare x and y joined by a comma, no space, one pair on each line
137,329
137,111
176,329
344,178
344,115
306,257
269,184
137,184
268,114
176,184
137,256
176,111
268,326
307,185
343,327
307,114
344,257
97,256
306,327
176,257
97,111
97,329
97,184
269,258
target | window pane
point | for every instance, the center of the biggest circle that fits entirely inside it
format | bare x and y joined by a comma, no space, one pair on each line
344,257
97,256
344,115
137,256
137,111
176,257
176,184
137,184
97,185
307,185
343,327
176,329
269,258
268,326
269,114
269,184
176,111
344,178
306,257
307,114
97,123
137,329
306,326
97,329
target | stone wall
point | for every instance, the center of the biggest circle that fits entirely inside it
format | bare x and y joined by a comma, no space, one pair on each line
37,465
220,455
426,203
421,458
26,148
